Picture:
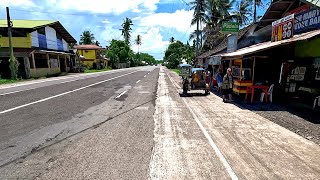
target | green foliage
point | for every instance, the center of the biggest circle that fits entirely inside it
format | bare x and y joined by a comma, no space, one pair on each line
174,54
126,30
87,38
96,70
119,52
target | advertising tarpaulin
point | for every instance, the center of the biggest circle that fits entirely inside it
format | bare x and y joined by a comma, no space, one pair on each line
282,28
307,21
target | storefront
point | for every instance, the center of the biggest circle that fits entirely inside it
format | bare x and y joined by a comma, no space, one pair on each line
292,65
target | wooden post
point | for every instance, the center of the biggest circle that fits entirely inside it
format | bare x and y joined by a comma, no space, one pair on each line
48,61
33,61
241,69
253,68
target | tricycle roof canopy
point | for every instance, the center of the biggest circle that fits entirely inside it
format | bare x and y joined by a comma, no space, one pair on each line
184,65
197,69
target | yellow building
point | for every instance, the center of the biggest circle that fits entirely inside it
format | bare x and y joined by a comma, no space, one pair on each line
40,46
92,56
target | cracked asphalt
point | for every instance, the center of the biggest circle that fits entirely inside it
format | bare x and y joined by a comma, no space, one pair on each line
133,124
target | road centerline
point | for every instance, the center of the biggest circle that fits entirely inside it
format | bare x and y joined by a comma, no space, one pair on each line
65,93
137,81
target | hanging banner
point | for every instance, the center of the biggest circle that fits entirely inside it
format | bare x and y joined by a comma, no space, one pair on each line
282,28
307,21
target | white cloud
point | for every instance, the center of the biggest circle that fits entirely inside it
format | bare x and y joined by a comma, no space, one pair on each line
180,20
22,3
108,6
105,21
152,41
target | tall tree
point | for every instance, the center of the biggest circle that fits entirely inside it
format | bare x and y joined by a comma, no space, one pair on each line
87,38
242,13
97,43
256,3
138,42
126,30
119,52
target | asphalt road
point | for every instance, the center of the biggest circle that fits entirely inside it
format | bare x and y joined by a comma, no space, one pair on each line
40,115
133,124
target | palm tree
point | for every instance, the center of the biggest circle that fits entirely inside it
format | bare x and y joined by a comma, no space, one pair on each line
242,14
126,30
138,42
171,40
87,38
255,4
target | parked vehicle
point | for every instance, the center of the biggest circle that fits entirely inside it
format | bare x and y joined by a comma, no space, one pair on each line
193,79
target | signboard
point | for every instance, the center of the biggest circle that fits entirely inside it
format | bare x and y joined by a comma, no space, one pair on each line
230,27
232,43
282,28
214,60
307,21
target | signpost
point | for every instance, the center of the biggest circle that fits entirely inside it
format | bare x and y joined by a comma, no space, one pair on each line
282,28
230,27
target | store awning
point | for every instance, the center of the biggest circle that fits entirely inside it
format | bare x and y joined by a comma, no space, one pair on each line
313,2
268,45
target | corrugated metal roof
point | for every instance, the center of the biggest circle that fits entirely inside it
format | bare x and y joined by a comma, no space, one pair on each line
35,24
28,24
87,46
268,45
223,44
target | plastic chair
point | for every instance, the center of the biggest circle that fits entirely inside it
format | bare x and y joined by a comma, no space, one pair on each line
270,91
315,102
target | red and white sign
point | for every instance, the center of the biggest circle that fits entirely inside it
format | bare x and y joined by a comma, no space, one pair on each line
282,28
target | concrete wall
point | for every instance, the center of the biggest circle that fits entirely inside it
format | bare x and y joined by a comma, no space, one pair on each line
42,72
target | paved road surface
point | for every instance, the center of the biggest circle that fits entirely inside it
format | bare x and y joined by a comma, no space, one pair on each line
132,124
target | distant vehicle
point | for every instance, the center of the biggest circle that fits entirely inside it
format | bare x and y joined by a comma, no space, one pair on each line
193,79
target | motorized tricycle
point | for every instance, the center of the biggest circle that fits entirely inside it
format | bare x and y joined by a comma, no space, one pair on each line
193,79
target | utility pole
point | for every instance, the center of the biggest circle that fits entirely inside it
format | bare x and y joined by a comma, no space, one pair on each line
197,31
12,59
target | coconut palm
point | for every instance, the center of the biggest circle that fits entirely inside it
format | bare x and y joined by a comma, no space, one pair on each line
138,42
242,12
87,38
256,3
126,30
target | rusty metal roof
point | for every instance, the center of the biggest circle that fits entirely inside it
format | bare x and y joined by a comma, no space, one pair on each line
88,47
268,45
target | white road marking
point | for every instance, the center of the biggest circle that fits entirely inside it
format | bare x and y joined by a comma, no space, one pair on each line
211,142
138,81
145,76
62,94
121,94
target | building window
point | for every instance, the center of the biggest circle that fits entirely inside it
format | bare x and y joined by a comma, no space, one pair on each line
41,60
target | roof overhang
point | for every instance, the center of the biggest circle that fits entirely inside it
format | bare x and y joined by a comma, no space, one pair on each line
268,45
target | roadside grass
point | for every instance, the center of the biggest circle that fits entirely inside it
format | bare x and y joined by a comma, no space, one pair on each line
96,70
7,81
176,71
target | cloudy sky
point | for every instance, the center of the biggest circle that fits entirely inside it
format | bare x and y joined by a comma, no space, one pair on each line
155,20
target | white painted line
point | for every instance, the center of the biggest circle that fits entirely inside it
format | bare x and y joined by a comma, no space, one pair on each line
62,94
121,94
211,142
138,81
145,76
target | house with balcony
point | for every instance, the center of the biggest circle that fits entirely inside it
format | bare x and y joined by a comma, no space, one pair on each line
92,56
40,46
